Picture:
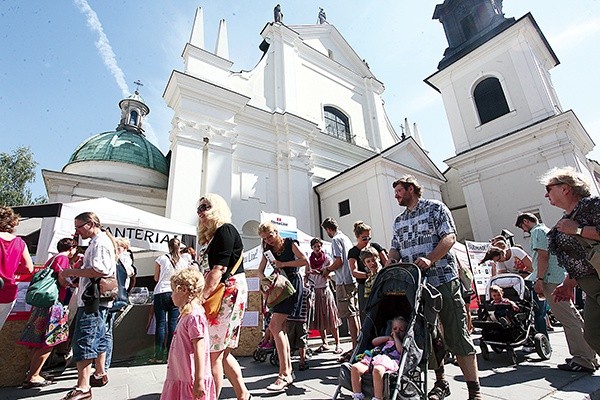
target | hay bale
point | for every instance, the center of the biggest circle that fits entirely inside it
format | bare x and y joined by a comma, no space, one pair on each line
14,359
250,336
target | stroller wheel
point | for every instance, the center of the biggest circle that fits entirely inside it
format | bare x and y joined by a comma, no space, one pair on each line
256,355
485,352
309,353
262,356
542,346
274,360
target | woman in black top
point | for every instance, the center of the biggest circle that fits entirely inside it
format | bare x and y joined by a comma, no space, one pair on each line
221,249
288,259
362,232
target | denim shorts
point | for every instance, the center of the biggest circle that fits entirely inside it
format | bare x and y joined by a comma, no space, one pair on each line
89,338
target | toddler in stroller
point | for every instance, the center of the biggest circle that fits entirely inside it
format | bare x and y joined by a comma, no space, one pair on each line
398,290
506,319
384,357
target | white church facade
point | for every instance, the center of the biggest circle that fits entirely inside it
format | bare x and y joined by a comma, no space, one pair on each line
305,132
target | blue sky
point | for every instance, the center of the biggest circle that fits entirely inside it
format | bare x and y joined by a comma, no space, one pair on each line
58,87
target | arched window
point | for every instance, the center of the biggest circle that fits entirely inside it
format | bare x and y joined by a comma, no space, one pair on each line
133,118
490,100
337,124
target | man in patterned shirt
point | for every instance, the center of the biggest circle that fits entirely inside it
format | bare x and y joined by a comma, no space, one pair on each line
423,234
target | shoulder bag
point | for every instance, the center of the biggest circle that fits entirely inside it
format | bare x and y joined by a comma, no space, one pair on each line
212,303
276,288
43,289
108,287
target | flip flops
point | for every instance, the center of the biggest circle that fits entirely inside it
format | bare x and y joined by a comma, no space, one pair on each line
338,350
345,357
321,349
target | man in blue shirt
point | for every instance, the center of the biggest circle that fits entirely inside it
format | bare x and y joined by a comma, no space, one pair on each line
548,274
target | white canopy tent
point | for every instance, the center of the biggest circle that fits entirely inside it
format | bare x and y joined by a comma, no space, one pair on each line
145,230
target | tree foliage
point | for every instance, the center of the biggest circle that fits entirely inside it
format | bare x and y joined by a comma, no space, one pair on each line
17,170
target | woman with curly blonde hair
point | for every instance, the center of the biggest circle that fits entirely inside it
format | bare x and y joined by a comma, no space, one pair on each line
221,254
13,254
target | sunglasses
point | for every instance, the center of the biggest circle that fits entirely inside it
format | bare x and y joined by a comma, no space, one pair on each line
203,207
366,238
81,226
549,186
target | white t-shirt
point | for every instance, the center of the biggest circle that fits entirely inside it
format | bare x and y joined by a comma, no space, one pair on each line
100,255
166,272
514,263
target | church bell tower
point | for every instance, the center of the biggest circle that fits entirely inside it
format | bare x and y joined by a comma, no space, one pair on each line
506,120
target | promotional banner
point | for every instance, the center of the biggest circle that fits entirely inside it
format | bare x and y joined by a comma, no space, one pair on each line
286,225
481,273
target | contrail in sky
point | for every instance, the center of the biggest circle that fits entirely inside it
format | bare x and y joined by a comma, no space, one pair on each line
103,45
109,58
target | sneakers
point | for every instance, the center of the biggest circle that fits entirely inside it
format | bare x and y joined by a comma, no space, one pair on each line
266,346
572,366
441,390
98,381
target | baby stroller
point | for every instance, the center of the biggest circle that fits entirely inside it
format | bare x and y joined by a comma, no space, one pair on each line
514,328
398,290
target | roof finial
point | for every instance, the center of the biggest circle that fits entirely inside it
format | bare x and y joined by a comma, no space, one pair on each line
138,84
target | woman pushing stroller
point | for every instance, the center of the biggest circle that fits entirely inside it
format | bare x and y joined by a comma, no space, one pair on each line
383,358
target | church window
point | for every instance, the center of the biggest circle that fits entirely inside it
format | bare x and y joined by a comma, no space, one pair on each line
337,124
133,118
490,100
344,207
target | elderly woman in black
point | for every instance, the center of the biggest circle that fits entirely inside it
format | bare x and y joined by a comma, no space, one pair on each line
567,189
288,258
221,252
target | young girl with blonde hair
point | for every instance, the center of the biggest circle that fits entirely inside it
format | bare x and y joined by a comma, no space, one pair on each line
188,370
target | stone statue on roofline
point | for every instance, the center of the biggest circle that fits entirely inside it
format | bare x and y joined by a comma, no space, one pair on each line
322,16
277,14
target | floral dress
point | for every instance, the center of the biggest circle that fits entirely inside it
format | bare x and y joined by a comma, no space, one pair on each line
225,249
38,330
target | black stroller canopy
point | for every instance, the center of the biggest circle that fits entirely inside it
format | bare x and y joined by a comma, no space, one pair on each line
395,280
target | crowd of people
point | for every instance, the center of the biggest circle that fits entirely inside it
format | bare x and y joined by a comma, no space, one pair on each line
334,287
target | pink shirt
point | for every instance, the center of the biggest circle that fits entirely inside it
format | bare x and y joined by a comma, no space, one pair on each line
11,256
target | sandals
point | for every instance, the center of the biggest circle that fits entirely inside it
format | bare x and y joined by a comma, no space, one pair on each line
345,357
441,390
322,348
280,384
338,350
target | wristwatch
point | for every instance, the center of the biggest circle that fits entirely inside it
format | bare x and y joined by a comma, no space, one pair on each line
579,230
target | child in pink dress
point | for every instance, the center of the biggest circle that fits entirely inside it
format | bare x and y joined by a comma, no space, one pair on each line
384,357
188,371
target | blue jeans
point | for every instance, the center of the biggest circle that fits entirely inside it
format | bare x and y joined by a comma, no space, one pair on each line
540,315
166,314
108,338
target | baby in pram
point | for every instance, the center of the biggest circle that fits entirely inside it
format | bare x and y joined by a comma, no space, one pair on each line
498,299
383,358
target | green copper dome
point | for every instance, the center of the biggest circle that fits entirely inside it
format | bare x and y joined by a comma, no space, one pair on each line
121,146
